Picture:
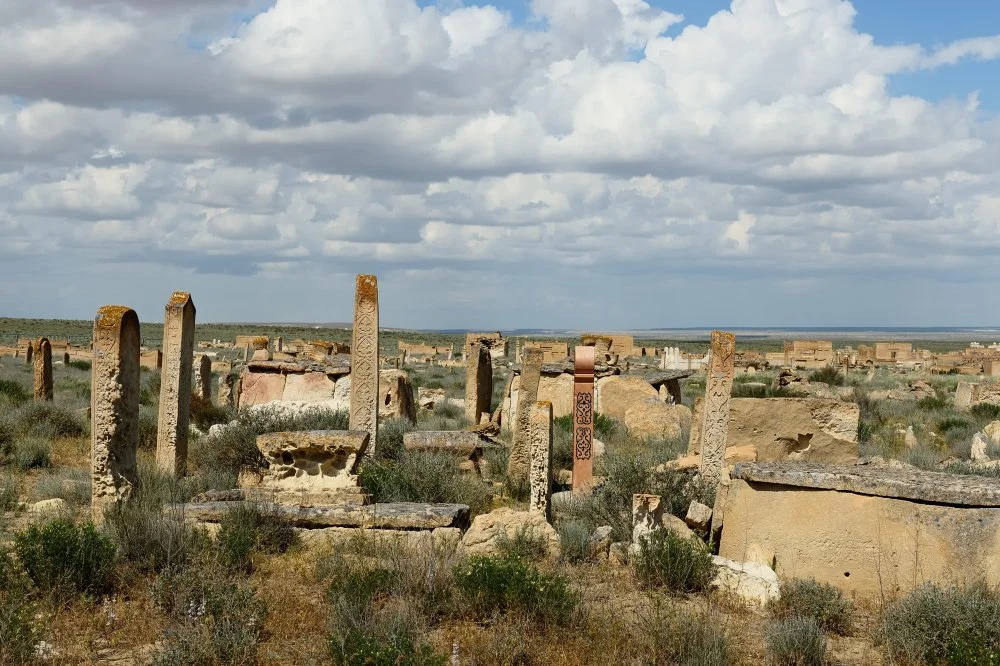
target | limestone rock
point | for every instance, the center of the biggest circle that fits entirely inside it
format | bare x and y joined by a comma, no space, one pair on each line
992,431
49,507
489,529
649,516
751,582
734,455
598,449
909,438
396,395
698,516
258,388
796,428
616,394
393,515
600,542
979,446
652,418
308,387
921,389
428,398
558,390
618,554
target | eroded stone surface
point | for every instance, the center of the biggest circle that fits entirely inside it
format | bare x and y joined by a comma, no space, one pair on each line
489,530
396,396
617,394
540,449
396,515
459,443
308,387
312,460
42,366
718,396
364,359
478,382
653,418
527,395
175,384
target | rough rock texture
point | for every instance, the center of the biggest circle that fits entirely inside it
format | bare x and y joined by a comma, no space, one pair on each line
365,382
698,516
308,387
796,428
42,366
527,396
489,529
478,382
397,515
965,394
443,540
396,396
558,390
428,398
715,428
615,395
734,454
175,384
259,388
979,445
992,431
313,460
652,418
459,443
114,430
649,515
913,484
540,452
753,583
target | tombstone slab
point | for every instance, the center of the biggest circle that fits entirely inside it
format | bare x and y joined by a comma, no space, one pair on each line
114,407
364,359
540,476
42,365
174,417
478,382
583,420
527,396
718,395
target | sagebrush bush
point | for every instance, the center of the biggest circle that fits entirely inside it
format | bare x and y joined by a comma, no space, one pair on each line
985,412
688,637
822,602
19,628
574,541
829,375
29,453
149,387
205,414
249,528
71,485
523,543
795,641
679,564
955,625
80,365
148,424
419,476
8,492
390,438
491,585
384,647
14,391
47,420
61,556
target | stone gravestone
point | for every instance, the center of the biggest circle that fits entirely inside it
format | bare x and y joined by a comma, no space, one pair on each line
66,358
583,420
114,430
478,383
42,359
718,394
228,385
527,396
205,378
364,360
175,384
540,475
29,355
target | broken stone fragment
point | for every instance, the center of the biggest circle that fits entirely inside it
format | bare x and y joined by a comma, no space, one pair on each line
698,516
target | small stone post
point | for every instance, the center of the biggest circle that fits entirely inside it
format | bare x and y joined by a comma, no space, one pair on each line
227,390
527,395
43,369
540,442
114,430
175,384
478,383
29,354
66,358
583,420
205,377
364,360
718,394
279,344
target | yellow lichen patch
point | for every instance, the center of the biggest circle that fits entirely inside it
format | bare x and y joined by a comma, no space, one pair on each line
367,287
179,299
110,317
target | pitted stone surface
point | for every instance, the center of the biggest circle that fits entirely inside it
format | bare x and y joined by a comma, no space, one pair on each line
917,485
364,359
312,460
175,384
397,515
459,443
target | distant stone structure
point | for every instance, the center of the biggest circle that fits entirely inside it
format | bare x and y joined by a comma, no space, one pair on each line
552,351
114,430
718,394
174,417
42,363
364,359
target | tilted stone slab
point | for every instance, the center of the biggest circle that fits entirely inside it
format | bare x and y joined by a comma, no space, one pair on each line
460,443
396,515
917,485
659,377
338,364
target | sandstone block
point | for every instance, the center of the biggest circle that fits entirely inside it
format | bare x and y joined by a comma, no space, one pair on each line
490,529
259,388
753,583
652,418
616,394
396,396
698,516
308,387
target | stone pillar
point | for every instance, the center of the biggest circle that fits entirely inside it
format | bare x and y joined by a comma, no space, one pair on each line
205,378
583,420
228,383
114,430
966,394
279,344
540,443
42,360
478,383
175,384
364,360
246,354
66,358
527,395
718,393
29,355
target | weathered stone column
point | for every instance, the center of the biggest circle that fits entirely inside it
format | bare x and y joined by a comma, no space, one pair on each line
42,359
527,395
175,384
478,383
540,443
66,358
29,354
718,394
114,430
279,344
205,377
228,383
583,420
364,360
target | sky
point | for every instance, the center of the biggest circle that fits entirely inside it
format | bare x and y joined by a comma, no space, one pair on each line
583,164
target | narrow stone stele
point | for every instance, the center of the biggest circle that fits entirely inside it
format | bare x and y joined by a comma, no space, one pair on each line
718,395
527,396
42,365
174,417
583,420
540,477
364,359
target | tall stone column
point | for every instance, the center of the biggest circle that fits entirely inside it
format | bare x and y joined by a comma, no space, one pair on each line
205,377
583,420
114,430
175,384
364,360
527,395
478,383
42,363
29,354
718,395
540,443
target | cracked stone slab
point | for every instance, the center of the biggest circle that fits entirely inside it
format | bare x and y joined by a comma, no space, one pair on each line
395,515
917,485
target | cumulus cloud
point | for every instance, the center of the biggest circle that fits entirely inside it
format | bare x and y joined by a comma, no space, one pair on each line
452,147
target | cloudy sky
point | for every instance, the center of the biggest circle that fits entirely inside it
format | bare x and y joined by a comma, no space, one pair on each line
531,163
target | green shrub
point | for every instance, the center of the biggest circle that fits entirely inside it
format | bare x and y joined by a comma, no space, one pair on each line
934,402
985,412
71,485
30,453
823,603
524,543
80,365
574,541
15,392
355,647
676,563
829,375
149,388
944,626
8,492
249,528
19,630
217,618
691,638
796,641
419,476
58,555
390,438
148,424
952,423
205,414
492,585
47,420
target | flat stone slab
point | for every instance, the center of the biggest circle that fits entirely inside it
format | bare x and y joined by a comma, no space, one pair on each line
916,485
662,376
312,442
460,443
336,364
396,515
